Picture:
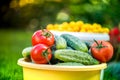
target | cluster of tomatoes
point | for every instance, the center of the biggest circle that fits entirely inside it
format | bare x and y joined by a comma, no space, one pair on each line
42,40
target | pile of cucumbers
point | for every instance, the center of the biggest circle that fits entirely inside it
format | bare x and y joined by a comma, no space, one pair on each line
70,50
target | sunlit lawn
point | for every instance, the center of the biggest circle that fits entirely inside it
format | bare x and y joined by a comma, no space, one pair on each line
11,44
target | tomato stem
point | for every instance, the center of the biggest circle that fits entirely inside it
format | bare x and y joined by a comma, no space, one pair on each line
47,34
96,42
99,46
45,54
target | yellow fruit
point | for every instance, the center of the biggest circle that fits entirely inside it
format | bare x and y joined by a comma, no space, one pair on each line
90,31
84,26
76,28
105,30
69,29
100,30
95,31
79,24
96,26
88,26
59,28
82,30
64,23
72,23
50,27
56,26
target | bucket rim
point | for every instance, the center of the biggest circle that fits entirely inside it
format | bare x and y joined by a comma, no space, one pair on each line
23,63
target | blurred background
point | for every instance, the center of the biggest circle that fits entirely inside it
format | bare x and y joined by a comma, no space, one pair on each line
20,18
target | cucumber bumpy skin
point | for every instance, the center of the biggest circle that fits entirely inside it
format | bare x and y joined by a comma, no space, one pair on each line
60,42
68,55
70,64
75,42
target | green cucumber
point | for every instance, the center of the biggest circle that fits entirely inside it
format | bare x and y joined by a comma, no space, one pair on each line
68,55
69,48
75,42
26,53
60,42
69,64
88,44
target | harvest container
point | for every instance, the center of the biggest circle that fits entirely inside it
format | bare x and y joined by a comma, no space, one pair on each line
32,71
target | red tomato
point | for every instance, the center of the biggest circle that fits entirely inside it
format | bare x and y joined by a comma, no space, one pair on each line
118,38
41,54
43,37
102,51
115,31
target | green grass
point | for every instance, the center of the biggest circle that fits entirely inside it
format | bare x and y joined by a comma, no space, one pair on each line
12,43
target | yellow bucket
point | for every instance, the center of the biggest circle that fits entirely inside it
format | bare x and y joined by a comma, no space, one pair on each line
32,71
